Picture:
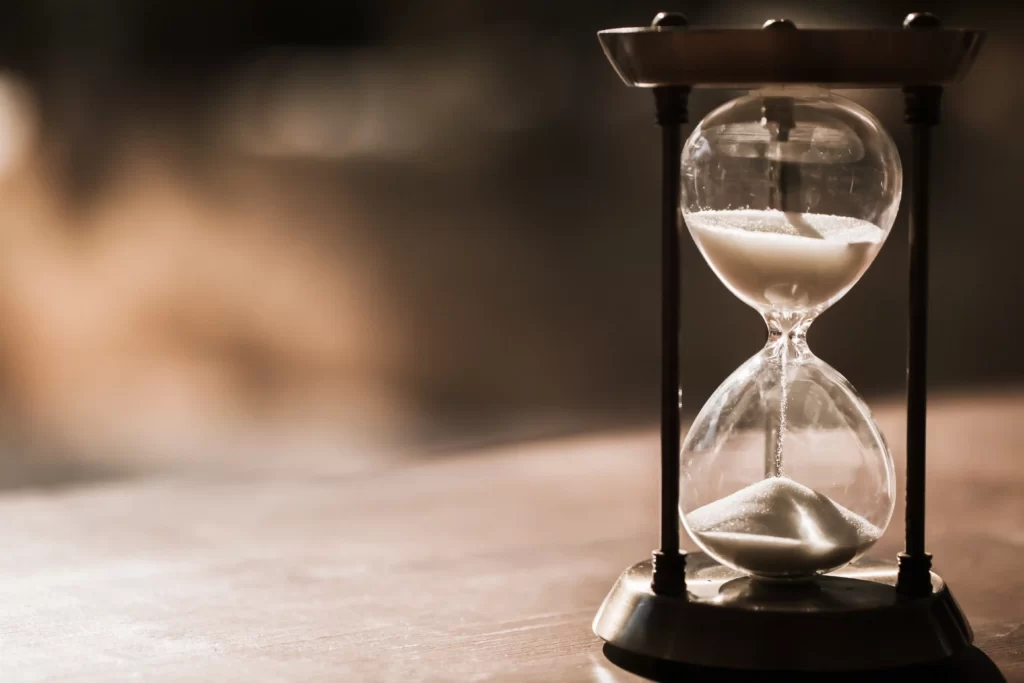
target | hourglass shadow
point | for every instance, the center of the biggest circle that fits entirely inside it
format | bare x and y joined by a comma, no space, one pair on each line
970,665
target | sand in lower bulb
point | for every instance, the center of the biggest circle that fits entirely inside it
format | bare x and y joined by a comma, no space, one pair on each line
780,528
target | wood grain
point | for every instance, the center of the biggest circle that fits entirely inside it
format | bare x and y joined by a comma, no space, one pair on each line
480,566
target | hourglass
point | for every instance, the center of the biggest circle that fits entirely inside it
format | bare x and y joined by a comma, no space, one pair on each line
784,480
789,194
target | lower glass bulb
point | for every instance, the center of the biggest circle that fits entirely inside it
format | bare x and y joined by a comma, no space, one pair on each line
784,473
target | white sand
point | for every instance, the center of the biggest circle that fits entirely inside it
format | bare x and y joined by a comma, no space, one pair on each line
778,527
787,261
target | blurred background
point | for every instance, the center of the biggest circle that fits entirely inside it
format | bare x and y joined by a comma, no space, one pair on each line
267,231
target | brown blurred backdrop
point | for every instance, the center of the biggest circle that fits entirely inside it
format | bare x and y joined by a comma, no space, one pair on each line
243,230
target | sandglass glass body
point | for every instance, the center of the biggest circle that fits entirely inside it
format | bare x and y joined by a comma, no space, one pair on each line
789,193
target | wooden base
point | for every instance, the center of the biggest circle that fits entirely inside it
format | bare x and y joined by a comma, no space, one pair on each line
850,620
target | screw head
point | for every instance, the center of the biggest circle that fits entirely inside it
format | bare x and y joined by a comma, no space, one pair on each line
917,20
776,24
670,20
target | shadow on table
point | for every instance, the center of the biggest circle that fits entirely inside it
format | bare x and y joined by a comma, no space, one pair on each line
973,665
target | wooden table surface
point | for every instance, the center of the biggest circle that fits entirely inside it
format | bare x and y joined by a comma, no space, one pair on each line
481,566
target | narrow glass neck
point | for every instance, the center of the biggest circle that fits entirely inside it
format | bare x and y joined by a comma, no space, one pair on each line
788,328
793,324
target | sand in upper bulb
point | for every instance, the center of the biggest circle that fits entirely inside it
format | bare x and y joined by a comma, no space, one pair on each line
785,260
781,528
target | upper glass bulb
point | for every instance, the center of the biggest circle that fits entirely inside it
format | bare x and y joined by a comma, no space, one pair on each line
790,161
